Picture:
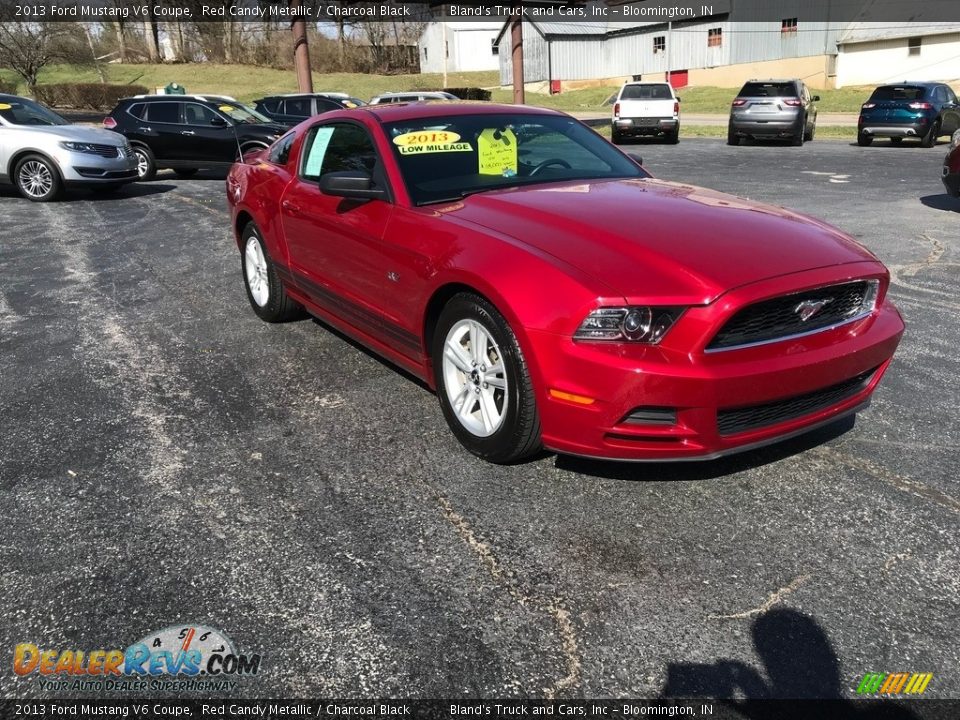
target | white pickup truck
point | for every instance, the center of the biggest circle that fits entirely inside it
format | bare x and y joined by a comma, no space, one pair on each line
646,108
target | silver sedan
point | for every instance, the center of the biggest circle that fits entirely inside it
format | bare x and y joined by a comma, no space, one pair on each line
42,154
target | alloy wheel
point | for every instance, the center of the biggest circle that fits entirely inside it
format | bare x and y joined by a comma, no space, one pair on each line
256,272
35,179
474,378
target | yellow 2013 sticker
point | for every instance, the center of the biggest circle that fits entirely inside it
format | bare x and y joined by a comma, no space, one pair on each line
497,152
6,106
225,108
430,141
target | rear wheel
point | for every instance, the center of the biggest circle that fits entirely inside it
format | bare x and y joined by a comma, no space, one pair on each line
811,132
38,179
864,139
732,137
483,382
616,138
265,291
674,137
800,135
930,139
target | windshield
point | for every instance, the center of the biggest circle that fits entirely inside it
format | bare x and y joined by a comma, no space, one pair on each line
901,92
26,112
242,114
446,158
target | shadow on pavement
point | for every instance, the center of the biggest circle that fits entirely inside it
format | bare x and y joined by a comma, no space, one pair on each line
942,202
705,469
799,663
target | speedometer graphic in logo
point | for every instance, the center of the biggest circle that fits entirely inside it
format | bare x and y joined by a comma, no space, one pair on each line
181,649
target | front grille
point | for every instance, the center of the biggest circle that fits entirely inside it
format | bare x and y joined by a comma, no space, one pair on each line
730,422
781,317
107,151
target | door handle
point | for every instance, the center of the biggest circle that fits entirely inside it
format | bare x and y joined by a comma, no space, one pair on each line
145,129
290,207
187,132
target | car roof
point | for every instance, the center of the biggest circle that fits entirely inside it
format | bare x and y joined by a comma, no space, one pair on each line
414,92
399,112
646,82
773,80
168,98
915,83
4,96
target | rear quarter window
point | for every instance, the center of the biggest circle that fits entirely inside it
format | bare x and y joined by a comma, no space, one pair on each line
164,112
136,110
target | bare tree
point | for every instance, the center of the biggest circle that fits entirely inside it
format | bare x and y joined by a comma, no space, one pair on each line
27,48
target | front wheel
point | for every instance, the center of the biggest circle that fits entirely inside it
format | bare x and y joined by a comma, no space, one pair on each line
265,291
146,163
38,179
483,382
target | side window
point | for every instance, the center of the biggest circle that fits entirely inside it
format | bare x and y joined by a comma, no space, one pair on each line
136,110
280,151
324,105
339,147
196,114
271,106
163,112
951,96
298,107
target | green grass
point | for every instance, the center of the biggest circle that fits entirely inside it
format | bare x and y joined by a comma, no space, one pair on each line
824,132
246,82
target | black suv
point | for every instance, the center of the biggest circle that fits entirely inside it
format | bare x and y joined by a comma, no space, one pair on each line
293,109
189,132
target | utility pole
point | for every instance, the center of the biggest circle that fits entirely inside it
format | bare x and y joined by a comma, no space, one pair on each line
669,51
301,54
446,52
516,45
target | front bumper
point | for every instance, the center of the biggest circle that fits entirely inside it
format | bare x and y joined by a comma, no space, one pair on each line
644,126
695,388
951,181
88,169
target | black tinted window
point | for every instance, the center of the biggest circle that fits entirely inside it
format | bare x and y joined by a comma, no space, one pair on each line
267,106
136,110
163,112
646,92
299,107
324,105
194,114
334,148
761,89
889,93
280,150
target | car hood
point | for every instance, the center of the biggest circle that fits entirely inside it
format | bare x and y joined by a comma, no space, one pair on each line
76,133
648,237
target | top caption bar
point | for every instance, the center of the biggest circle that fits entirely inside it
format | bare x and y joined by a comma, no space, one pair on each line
589,13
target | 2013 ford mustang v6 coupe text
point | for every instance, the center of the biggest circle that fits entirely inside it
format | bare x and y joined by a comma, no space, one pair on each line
554,293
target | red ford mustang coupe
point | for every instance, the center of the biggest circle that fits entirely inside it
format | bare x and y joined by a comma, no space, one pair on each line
552,292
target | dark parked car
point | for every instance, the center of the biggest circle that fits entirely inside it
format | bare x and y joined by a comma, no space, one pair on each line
293,109
924,110
189,132
951,166
773,109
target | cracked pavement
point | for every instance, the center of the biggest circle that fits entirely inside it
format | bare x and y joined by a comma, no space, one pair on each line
168,458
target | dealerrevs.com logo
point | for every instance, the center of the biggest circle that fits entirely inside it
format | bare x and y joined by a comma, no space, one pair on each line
179,657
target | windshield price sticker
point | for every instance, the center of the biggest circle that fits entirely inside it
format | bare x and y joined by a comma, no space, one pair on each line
430,141
497,152
6,106
225,108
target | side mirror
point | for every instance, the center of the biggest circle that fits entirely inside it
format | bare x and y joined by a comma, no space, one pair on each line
218,121
636,158
350,184
816,98
678,99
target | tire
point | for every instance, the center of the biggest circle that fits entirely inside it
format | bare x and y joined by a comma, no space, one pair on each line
732,137
800,135
616,138
674,137
37,178
266,293
930,139
146,163
863,139
185,173
813,131
502,424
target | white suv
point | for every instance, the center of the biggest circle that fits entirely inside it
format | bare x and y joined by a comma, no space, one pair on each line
646,108
41,153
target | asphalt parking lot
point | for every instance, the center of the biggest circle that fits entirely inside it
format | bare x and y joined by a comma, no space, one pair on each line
168,458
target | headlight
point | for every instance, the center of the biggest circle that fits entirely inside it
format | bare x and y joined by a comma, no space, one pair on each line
79,147
633,324
955,140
